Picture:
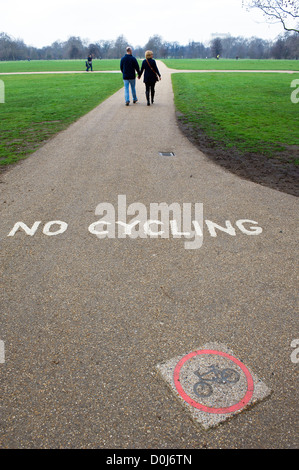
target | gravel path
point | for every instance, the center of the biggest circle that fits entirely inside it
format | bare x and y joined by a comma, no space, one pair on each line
85,321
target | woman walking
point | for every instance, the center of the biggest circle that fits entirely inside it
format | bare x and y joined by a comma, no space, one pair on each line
151,76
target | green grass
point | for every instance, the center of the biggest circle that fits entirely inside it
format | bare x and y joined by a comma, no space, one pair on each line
250,112
231,64
56,65
38,106
179,64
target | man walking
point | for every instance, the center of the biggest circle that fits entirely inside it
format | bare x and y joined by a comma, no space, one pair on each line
129,66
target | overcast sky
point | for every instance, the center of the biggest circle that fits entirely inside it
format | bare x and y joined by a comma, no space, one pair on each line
41,22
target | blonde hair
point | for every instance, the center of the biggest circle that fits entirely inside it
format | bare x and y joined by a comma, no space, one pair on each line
148,54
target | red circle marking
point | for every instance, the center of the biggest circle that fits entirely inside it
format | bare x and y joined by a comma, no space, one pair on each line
247,397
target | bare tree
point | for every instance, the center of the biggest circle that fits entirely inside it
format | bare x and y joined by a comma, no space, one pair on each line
120,45
94,50
284,11
216,47
74,48
155,44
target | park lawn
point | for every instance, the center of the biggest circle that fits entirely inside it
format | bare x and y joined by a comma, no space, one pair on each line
248,112
57,65
232,64
38,106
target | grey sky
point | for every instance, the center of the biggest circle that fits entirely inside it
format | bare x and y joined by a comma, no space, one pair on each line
41,22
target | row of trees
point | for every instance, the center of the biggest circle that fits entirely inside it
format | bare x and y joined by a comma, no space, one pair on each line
285,46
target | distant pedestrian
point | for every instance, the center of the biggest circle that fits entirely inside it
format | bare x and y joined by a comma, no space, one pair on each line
151,76
129,66
88,63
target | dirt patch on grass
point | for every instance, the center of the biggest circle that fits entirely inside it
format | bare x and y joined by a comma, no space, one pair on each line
280,172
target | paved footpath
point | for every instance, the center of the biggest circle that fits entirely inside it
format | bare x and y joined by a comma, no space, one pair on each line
86,320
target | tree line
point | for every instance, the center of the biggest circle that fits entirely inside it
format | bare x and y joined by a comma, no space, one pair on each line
286,46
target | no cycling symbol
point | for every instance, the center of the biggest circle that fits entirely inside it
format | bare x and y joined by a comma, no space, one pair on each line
212,384
216,376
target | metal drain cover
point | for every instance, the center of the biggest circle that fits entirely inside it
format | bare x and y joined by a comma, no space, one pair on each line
166,154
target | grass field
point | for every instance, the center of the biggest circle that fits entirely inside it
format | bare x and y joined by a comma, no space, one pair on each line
179,64
250,112
231,64
56,65
38,106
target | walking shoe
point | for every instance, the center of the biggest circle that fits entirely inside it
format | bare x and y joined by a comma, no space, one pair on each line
127,103
135,101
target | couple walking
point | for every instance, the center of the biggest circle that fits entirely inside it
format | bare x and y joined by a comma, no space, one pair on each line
129,66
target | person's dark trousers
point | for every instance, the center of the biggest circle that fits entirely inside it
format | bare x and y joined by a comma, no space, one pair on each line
149,92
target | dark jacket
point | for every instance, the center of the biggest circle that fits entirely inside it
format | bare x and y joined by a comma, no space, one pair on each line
129,66
149,75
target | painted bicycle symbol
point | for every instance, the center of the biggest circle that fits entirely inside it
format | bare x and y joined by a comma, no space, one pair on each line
203,387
